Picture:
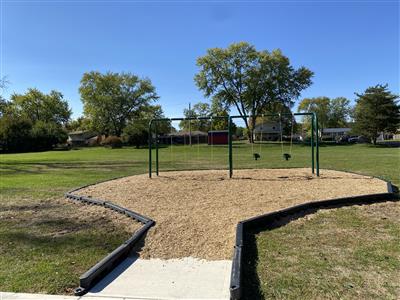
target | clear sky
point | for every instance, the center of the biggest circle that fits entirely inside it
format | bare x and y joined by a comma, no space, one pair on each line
350,45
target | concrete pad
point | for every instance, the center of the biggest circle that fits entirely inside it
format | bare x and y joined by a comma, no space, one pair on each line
186,278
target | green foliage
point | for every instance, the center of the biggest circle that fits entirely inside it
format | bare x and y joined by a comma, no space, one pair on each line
79,124
37,106
110,100
249,80
15,134
33,121
136,133
376,111
112,141
331,112
47,134
202,109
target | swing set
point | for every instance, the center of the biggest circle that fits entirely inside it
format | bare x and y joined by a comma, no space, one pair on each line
314,141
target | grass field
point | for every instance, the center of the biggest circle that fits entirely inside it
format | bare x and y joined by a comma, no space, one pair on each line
343,253
41,234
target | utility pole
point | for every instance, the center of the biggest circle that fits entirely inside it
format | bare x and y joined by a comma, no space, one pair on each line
190,126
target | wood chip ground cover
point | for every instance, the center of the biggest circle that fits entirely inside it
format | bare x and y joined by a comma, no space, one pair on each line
196,212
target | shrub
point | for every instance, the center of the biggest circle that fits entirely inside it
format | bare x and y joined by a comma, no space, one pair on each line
15,134
136,134
47,135
113,142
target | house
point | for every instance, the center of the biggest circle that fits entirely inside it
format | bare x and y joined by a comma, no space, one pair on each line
218,137
334,133
82,138
267,131
183,137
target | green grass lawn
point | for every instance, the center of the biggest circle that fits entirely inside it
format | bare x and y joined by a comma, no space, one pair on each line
343,253
41,234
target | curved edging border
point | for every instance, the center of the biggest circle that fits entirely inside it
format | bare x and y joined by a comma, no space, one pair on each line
108,263
270,218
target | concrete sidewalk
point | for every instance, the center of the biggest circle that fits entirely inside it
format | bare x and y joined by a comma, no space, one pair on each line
140,279
186,278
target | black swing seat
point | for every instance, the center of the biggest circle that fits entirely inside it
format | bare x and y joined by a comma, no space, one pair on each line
286,156
256,156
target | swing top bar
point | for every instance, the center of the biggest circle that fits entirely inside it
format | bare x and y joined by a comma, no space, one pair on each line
314,139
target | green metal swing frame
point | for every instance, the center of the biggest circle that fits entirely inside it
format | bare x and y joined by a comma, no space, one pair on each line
314,141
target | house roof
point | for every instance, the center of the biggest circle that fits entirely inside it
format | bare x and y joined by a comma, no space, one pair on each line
81,135
335,130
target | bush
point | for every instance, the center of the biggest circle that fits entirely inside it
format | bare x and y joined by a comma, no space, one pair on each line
136,134
113,142
47,135
15,134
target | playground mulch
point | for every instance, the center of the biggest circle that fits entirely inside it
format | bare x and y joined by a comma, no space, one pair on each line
196,212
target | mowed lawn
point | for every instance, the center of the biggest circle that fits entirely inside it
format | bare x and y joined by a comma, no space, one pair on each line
46,242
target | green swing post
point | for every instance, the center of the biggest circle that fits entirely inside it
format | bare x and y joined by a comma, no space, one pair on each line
156,142
312,144
317,144
150,142
230,147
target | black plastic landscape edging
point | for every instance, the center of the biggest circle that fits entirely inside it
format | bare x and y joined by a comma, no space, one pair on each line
270,219
108,263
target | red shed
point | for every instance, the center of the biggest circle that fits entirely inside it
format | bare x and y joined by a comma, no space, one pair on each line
218,137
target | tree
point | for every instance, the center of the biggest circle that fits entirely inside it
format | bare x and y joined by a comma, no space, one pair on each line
376,111
110,100
331,112
136,131
37,106
15,134
317,105
79,124
339,112
249,80
33,121
200,109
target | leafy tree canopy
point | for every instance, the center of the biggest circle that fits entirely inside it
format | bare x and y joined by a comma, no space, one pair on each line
331,112
110,100
376,111
33,121
249,80
37,106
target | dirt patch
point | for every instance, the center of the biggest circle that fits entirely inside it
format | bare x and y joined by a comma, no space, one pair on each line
196,212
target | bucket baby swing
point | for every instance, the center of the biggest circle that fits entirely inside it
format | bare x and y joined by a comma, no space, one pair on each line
285,155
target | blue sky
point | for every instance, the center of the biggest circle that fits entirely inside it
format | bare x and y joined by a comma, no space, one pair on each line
49,44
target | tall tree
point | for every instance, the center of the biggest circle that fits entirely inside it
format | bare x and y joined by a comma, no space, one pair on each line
136,131
38,106
200,109
33,121
339,112
318,105
249,80
111,99
376,111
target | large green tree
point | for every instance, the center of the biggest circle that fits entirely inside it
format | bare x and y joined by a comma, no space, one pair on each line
110,100
199,109
318,105
376,111
38,106
33,121
136,131
331,112
249,80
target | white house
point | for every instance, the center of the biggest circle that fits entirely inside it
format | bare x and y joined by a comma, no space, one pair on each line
333,133
267,131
